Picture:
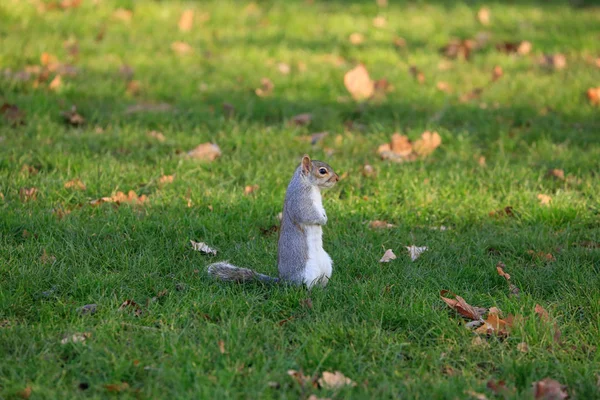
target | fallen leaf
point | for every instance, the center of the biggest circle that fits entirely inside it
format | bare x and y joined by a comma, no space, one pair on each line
265,89
284,68
76,338
483,15
498,387
205,151
388,256
457,48
75,183
221,346
356,38
131,305
117,387
250,189
557,173
523,347
122,14
186,21
380,225
549,389
359,83
335,380
25,393
156,135
544,199
417,74
56,83
521,48
427,144
493,324
203,248
477,340
542,313
541,255
443,86
46,258
503,212
478,396
500,268
302,119
593,95
302,379
497,73
399,42
368,171
379,21
459,305
12,114
415,252
181,48
554,61
72,117
481,161
473,94
133,88
28,194
163,180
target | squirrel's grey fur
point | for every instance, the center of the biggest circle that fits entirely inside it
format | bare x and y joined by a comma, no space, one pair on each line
300,231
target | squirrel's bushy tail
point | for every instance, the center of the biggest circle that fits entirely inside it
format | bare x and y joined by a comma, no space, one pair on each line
227,272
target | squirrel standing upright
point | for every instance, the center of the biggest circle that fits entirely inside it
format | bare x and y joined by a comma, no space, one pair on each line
300,256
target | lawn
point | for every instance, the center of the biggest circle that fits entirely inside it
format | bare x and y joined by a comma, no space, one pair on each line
148,86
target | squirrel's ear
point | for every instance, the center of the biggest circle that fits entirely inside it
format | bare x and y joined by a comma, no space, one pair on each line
306,165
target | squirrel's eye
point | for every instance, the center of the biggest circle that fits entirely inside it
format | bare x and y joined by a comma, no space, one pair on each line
322,171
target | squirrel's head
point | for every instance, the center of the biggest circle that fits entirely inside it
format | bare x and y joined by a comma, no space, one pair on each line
318,172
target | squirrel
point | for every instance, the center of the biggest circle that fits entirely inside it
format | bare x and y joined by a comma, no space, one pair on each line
300,255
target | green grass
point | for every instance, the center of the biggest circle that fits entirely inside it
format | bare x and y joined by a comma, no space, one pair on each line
382,325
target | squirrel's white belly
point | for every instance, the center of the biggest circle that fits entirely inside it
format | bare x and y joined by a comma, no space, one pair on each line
319,265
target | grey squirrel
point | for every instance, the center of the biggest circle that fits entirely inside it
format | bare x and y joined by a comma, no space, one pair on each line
300,256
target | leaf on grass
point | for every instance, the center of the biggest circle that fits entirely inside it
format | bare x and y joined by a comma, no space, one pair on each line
415,252
265,89
476,395
593,95
379,21
457,48
399,150
46,258
494,325
163,180
507,211
181,48
250,189
186,21
558,174
28,194
205,151
358,83
130,305
133,88
498,387
417,74
12,114
542,313
380,225
472,95
544,199
399,42
72,118
56,83
497,73
428,142
76,338
356,38
368,171
388,256
284,68
554,61
75,183
156,135
541,255
483,15
119,198
443,86
117,387
25,393
523,347
221,347
123,14
521,48
302,379
459,305
203,248
500,268
549,389
335,380
301,119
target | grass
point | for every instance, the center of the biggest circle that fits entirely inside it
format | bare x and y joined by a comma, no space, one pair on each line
382,325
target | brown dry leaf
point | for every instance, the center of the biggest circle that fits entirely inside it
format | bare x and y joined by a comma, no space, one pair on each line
133,88
46,258
461,306
356,38
301,119
554,61
497,73
523,347
163,180
593,95
459,48
186,21
368,171
47,59
284,68
28,194
541,255
123,14
25,393
156,135
181,48
12,114
380,225
265,89
335,380
250,189
117,387
417,74
379,21
131,305
203,248
544,199
382,86
130,197
388,256
401,145
427,144
55,83
493,324
549,389
556,174
29,169
500,268
483,15
521,48
302,379
415,252
472,95
443,86
72,118
481,161
359,83
476,395
542,313
507,211
205,151
75,183
399,42
221,347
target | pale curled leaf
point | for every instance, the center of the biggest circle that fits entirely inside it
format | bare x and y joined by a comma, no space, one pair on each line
428,142
415,252
205,151
388,256
380,225
461,306
203,248
359,83
335,380
186,21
